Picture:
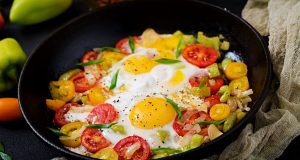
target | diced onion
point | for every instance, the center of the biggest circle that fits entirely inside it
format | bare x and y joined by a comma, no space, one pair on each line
188,114
132,149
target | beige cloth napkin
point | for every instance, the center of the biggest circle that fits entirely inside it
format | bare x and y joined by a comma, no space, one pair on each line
278,120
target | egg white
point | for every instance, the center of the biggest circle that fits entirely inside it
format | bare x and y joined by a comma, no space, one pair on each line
132,88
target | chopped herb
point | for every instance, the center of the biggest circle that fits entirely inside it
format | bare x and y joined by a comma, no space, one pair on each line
100,126
110,49
167,61
179,47
114,80
90,62
209,122
175,106
202,84
131,44
57,132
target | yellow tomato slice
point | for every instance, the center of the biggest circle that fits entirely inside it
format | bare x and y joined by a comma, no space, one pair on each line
96,96
219,111
54,104
62,90
73,130
236,70
109,59
240,84
106,154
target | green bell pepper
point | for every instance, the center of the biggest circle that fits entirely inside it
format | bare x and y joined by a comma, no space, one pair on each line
12,58
27,12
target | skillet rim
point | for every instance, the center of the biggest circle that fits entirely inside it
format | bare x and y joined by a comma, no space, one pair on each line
244,121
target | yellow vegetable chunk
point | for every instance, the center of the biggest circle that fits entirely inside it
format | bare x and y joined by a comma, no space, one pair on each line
240,84
54,104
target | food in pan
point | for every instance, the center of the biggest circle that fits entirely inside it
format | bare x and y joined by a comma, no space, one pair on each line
151,96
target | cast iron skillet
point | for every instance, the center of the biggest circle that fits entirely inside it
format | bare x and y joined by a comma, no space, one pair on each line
62,49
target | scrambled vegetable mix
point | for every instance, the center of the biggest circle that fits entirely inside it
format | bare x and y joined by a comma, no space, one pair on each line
150,96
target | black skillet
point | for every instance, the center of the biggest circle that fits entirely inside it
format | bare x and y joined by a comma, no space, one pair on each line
62,49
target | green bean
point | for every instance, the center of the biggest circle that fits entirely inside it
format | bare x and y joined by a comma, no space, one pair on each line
225,91
230,121
225,63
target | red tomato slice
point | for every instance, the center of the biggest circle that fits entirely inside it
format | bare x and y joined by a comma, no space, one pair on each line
102,114
93,140
89,55
212,100
80,82
200,56
213,83
143,153
59,118
123,44
178,126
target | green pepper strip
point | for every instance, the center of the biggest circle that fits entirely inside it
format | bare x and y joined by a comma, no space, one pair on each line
101,126
175,106
209,122
90,62
57,132
225,91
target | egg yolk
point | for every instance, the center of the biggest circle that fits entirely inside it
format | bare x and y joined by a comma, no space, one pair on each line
152,113
139,64
177,78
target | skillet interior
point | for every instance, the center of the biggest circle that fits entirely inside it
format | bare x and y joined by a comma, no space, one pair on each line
105,27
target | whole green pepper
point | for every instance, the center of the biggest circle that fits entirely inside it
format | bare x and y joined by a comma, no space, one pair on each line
28,12
12,58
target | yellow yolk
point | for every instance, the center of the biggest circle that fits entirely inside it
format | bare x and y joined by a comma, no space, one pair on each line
177,78
152,113
139,64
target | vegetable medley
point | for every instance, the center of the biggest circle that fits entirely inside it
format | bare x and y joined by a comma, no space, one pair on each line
151,96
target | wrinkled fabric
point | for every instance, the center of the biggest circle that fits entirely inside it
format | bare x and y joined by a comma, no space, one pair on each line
278,120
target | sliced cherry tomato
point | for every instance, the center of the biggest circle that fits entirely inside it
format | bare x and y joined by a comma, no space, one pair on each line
123,44
213,83
219,111
236,70
59,118
54,104
102,114
142,153
212,100
80,82
200,56
106,154
89,55
71,129
178,126
93,140
62,90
